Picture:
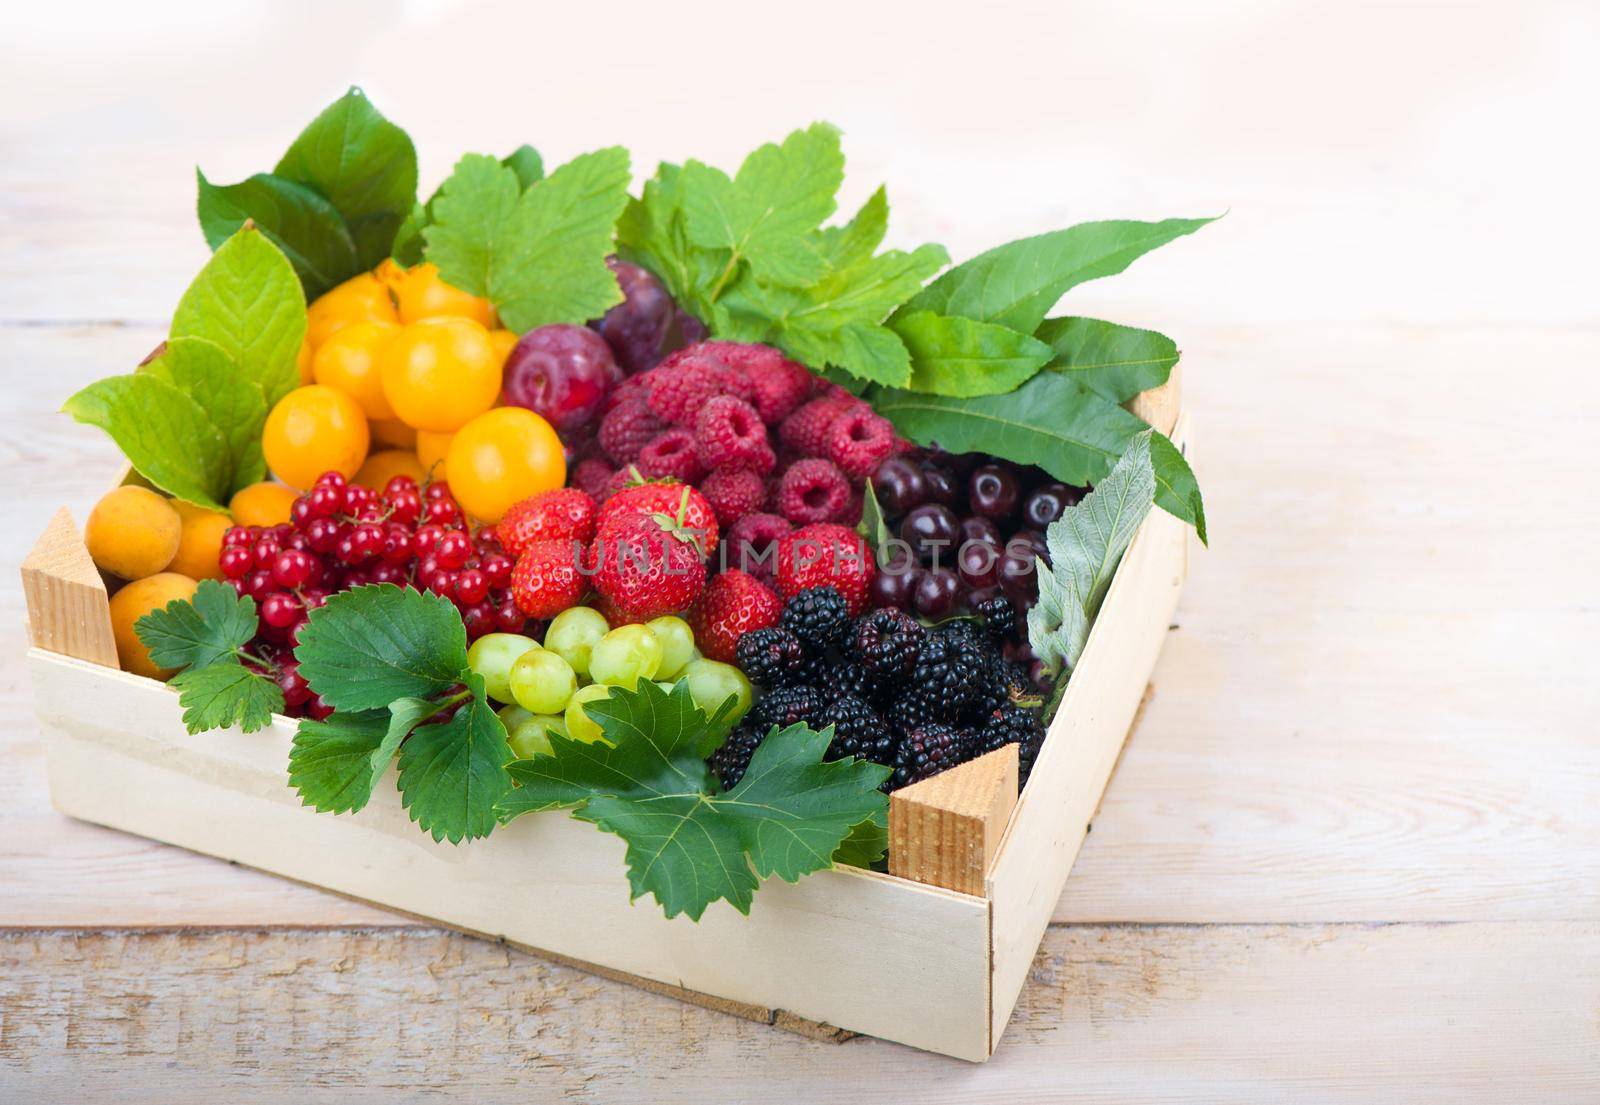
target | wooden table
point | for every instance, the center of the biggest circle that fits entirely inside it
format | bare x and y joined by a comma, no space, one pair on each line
1352,851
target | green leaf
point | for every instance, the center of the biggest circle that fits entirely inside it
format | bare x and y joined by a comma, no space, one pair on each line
197,632
526,163
298,220
1016,284
1117,362
373,644
688,845
873,353
867,843
1085,544
226,694
1067,430
452,773
165,435
960,357
236,407
248,300
1177,491
408,241
331,763
650,233
872,526
540,254
843,246
405,714
364,165
767,213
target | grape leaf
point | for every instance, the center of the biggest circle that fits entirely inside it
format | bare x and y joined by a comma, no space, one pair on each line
364,165
248,300
209,628
452,773
538,254
689,845
297,219
867,843
220,695
236,407
1117,362
956,356
331,761
1085,544
165,435
376,643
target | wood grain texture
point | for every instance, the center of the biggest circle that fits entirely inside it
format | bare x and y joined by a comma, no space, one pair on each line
945,831
67,602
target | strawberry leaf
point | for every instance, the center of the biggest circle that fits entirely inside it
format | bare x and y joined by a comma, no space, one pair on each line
209,628
225,694
452,773
370,645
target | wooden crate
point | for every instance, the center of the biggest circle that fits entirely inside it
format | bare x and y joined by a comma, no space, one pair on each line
937,967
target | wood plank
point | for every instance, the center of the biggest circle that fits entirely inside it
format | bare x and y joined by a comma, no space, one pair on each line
1359,1014
67,601
945,831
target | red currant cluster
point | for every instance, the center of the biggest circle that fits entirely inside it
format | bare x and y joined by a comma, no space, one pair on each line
342,535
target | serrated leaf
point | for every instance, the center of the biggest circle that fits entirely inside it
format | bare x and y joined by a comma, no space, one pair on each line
452,773
957,356
873,353
373,644
1086,543
248,300
226,694
854,242
1177,491
364,165
1117,362
768,211
165,435
867,843
1018,283
298,220
1067,430
235,406
687,845
650,233
863,292
331,761
472,222
207,629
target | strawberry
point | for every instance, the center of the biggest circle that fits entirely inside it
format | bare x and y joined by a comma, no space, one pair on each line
826,554
645,567
734,603
565,514
546,579
678,503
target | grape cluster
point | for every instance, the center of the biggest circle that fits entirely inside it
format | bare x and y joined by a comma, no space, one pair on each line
343,535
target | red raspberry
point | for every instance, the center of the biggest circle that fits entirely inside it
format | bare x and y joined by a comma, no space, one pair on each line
777,384
627,429
752,545
593,477
813,491
729,433
633,388
546,579
683,384
646,569
733,493
671,455
563,514
665,498
825,554
858,440
805,431
734,603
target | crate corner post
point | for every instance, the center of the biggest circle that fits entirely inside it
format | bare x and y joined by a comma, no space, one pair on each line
68,608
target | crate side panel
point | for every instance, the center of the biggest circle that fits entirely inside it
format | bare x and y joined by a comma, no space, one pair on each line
821,949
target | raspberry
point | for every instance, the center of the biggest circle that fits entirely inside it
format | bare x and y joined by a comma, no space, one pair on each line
824,554
734,603
565,514
805,431
777,384
813,491
593,476
627,429
683,384
671,454
733,493
858,440
633,388
753,544
730,434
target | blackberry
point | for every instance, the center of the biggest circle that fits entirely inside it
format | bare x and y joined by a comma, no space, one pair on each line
1014,725
999,617
924,752
787,706
858,731
772,657
819,617
851,678
1003,683
888,641
730,761
948,676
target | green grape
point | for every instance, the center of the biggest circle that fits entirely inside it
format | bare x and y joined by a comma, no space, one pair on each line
626,655
542,682
513,715
711,683
573,633
530,737
677,644
492,655
580,726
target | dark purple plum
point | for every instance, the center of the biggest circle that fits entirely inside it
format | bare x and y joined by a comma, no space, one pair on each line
562,372
637,328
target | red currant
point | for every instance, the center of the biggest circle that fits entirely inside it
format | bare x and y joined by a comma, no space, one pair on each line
479,619
405,506
293,568
444,511
454,548
426,539
322,534
509,618
496,569
300,512
325,500
235,561
472,587
316,708
236,535
266,551
399,485
280,610
293,685
385,572
332,478
437,491
258,583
